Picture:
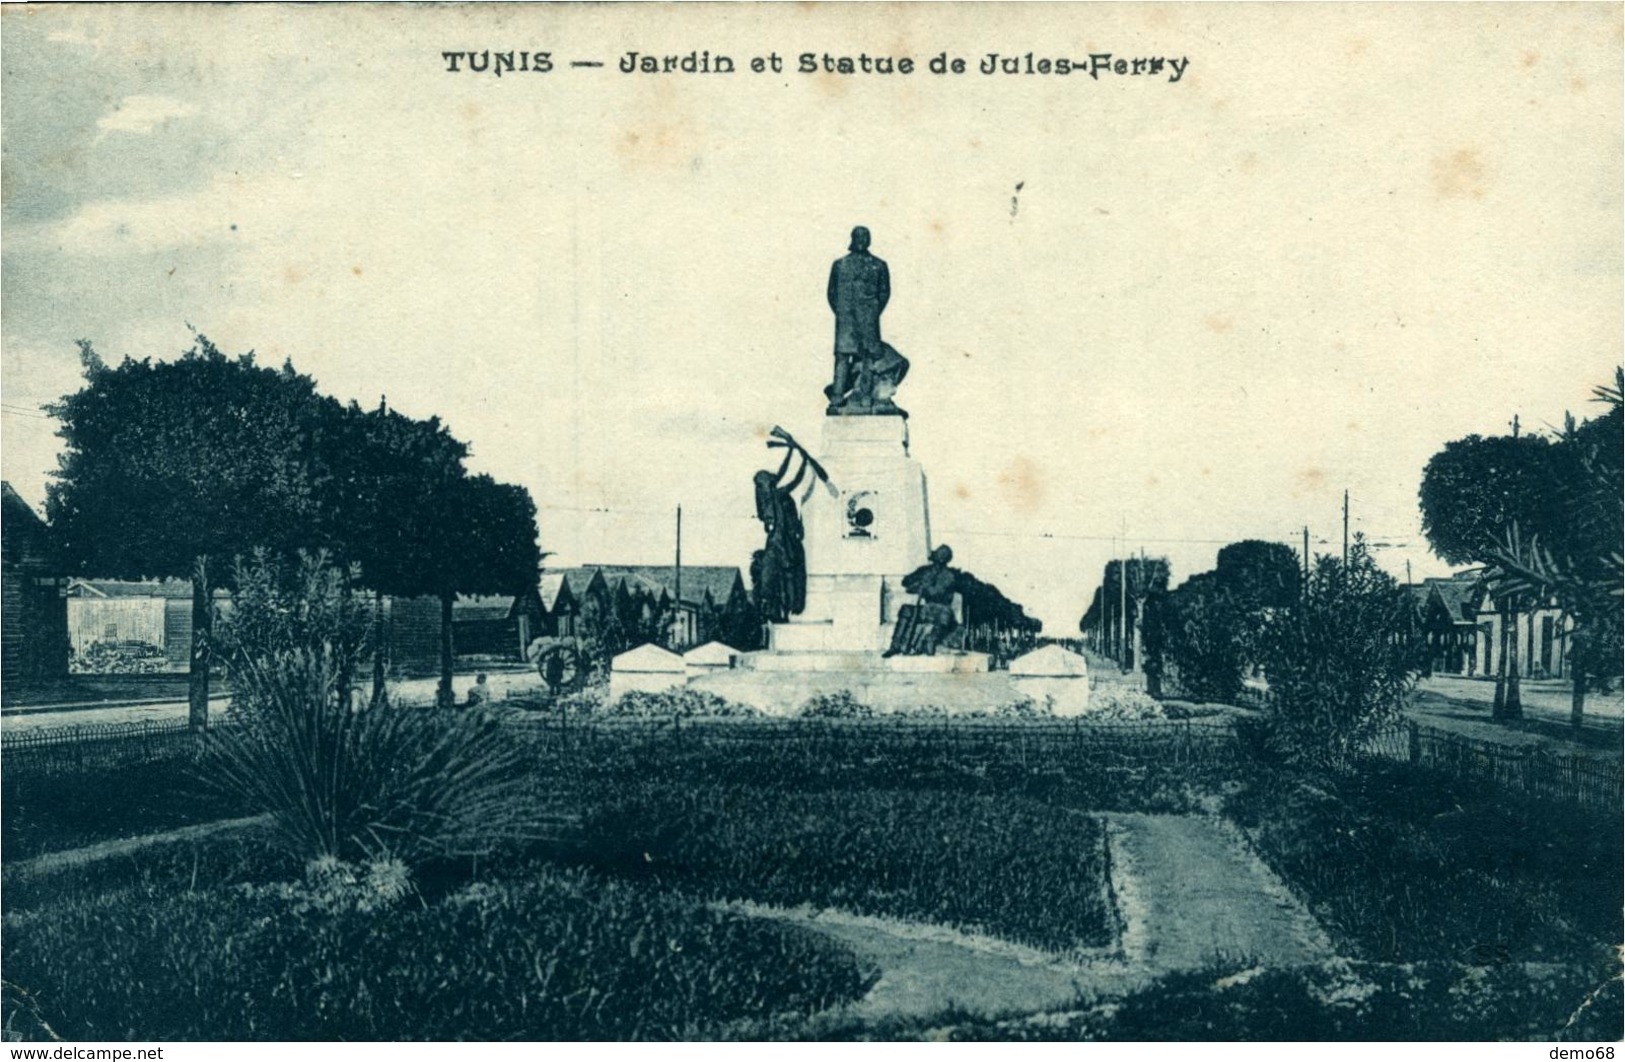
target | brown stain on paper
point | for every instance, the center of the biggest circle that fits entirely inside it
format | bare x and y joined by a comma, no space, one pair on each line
1460,174
1021,484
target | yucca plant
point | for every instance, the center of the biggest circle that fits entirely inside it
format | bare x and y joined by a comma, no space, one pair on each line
340,780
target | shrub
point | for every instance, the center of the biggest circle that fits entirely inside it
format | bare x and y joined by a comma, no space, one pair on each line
562,956
1124,703
1340,661
681,703
1198,638
838,705
375,782
341,782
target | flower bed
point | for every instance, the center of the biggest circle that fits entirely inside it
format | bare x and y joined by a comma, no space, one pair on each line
1003,866
560,955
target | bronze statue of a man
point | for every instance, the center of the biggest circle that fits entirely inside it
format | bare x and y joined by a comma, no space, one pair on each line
925,625
867,370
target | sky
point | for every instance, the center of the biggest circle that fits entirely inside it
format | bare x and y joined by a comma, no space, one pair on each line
1142,313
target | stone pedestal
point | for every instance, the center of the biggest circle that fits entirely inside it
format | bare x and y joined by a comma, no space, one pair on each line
861,541
648,669
1053,676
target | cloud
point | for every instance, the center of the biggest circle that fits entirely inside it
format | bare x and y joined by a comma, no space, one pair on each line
142,114
217,213
74,37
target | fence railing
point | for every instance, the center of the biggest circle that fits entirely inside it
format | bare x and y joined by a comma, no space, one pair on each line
1533,770
70,749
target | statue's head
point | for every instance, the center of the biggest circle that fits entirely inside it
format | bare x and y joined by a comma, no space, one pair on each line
766,480
941,555
860,239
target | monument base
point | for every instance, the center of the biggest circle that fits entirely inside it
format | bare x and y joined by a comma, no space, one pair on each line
863,533
776,690
789,664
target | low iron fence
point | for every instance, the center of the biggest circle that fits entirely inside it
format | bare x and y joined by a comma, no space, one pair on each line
1531,769
94,746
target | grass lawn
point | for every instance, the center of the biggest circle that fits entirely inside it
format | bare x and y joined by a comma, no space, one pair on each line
1008,867
53,813
1407,865
204,943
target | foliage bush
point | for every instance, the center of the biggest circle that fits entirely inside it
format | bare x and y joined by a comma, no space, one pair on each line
1197,640
682,703
1158,767
228,858
1340,661
1112,703
562,956
340,781
1007,867
838,705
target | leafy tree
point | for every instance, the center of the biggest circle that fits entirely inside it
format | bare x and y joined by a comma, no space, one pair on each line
1579,563
1198,639
1340,660
172,468
1475,493
1258,578
485,536
1114,603
1260,575
394,473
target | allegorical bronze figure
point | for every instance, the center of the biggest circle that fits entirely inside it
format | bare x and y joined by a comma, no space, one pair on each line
867,369
924,626
779,569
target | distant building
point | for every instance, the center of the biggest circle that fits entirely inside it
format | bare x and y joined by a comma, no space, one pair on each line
1463,629
619,606
130,613
482,626
33,613
1447,610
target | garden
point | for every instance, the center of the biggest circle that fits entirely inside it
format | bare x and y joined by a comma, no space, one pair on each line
676,867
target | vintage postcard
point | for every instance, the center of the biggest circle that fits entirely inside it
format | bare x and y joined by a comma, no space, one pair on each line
812,522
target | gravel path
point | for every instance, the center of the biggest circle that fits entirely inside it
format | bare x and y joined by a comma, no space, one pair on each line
124,846
1189,892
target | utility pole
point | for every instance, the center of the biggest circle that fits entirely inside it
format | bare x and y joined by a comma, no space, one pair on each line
1122,602
677,573
1140,590
1306,551
1345,528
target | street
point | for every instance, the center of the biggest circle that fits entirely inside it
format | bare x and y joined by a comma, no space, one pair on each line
503,684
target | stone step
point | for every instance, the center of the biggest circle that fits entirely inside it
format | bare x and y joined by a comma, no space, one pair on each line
835,660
